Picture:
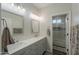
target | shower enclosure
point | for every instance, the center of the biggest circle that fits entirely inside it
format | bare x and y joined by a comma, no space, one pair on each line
59,34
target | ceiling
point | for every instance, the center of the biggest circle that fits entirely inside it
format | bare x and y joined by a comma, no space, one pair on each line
41,5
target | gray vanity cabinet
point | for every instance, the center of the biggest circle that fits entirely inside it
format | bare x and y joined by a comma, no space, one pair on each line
37,48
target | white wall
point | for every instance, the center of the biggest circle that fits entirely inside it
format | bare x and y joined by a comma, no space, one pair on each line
49,11
30,8
75,13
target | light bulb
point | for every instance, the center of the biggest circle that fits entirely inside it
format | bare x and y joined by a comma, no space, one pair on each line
19,7
12,4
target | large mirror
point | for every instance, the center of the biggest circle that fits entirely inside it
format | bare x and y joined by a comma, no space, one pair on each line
14,22
35,26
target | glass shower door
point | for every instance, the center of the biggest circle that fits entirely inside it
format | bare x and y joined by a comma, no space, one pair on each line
59,37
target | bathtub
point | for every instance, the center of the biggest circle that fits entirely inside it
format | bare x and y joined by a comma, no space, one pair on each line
27,46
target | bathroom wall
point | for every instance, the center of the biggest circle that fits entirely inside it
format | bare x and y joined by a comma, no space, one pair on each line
75,13
36,11
27,21
49,11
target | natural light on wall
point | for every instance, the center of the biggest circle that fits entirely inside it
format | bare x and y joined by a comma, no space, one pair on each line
33,16
11,7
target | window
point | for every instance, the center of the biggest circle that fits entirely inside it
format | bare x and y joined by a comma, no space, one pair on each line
54,21
58,21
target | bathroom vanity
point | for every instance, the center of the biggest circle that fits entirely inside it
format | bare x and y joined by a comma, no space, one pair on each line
33,46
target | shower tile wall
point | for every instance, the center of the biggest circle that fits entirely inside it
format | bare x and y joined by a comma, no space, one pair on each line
77,51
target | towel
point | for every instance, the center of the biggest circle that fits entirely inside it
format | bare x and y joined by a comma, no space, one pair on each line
6,39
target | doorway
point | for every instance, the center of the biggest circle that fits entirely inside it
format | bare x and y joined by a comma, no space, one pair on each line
59,34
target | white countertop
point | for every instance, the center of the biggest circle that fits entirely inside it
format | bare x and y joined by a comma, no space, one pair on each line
22,44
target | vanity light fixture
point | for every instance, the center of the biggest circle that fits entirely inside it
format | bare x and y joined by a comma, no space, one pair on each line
18,7
21,8
33,16
14,8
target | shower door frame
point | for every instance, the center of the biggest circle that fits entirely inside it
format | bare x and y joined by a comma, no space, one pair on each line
68,30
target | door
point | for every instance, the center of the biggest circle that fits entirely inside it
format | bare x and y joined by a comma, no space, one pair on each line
59,36
68,32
